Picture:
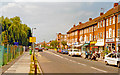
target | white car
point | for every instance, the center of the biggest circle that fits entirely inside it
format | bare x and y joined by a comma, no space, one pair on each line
74,52
112,59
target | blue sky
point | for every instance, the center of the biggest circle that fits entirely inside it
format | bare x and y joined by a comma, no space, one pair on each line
52,17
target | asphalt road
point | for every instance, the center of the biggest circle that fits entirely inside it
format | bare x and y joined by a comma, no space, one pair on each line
52,62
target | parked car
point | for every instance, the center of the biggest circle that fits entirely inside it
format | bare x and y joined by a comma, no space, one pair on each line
74,52
36,47
46,49
60,50
112,59
64,51
40,49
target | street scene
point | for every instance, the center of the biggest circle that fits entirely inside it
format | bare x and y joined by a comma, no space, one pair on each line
59,37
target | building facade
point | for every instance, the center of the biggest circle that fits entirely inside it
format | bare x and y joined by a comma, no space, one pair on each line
60,38
98,34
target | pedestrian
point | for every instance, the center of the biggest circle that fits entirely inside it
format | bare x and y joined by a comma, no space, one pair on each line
30,52
86,53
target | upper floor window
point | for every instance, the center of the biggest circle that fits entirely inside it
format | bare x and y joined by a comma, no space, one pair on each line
110,33
113,19
107,22
98,35
103,23
118,18
101,35
98,24
110,21
106,34
113,33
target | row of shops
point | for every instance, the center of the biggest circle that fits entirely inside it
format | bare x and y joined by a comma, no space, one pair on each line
98,46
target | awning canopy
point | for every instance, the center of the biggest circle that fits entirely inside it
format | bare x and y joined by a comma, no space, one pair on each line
78,45
99,44
86,44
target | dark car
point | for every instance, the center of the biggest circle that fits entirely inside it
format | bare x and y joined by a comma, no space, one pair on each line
64,51
46,48
40,49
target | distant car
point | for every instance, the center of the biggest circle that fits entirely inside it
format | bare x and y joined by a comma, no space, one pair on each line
60,50
64,51
46,49
36,47
74,52
112,59
40,49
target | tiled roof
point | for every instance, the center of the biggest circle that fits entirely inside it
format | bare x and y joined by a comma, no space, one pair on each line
95,20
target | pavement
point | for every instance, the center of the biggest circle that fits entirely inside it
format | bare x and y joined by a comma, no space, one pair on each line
52,63
21,66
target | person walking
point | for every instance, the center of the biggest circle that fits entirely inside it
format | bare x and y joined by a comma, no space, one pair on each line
86,54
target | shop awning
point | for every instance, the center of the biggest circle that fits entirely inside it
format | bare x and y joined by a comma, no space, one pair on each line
78,45
86,44
99,44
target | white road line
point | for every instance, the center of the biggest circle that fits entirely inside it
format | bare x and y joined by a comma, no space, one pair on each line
99,69
82,64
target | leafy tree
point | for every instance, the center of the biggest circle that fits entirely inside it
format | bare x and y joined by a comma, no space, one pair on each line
15,31
64,43
54,43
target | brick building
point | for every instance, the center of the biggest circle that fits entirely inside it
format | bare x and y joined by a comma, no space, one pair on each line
60,38
97,34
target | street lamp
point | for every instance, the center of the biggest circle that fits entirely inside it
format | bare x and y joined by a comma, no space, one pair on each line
33,43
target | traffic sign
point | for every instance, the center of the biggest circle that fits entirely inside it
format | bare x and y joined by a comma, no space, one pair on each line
32,39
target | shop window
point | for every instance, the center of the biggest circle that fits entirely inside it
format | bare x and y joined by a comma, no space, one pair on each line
118,32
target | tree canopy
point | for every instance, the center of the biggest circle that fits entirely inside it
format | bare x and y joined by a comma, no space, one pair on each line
54,43
15,31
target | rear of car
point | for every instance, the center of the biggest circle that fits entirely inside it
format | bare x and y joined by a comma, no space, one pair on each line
40,50
64,51
74,52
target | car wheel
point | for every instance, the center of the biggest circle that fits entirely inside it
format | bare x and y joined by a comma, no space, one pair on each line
118,64
106,62
68,54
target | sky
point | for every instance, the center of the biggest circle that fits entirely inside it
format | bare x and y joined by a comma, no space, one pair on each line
50,17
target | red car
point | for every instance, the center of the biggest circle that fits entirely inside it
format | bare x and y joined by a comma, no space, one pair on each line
36,48
60,50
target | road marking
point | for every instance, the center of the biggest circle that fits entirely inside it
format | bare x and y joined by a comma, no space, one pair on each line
82,64
99,69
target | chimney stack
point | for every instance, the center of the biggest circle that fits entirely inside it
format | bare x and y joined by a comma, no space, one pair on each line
74,25
101,13
90,19
80,22
115,4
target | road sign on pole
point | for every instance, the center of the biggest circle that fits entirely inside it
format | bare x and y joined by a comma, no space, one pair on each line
32,39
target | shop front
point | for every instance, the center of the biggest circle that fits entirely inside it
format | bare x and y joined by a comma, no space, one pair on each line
118,44
100,45
110,45
86,46
93,48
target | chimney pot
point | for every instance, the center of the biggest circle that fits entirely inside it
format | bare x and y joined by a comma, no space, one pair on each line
115,4
90,19
73,25
101,13
80,22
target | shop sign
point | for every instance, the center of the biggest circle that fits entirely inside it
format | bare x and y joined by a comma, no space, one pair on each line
87,42
110,40
93,42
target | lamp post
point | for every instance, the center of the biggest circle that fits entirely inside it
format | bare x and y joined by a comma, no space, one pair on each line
33,43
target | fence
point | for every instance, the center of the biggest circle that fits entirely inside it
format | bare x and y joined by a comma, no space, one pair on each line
9,53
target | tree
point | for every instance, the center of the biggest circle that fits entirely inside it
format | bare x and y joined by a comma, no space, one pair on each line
54,43
64,43
15,30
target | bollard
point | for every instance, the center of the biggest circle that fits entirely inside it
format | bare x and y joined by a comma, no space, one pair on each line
35,69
